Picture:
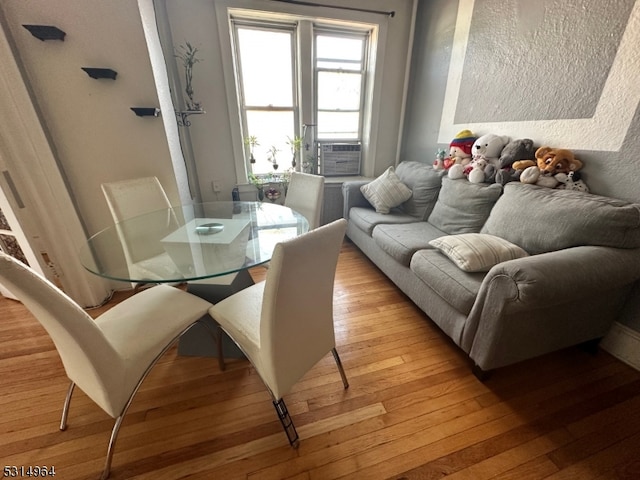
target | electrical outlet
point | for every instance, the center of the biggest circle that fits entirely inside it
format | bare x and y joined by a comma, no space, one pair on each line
217,188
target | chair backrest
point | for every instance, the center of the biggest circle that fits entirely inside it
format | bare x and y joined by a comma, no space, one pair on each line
296,326
131,198
305,195
87,356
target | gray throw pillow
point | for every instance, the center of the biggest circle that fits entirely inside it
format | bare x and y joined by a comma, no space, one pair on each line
462,206
424,182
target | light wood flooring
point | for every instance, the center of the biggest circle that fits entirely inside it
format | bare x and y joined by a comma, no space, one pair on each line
413,410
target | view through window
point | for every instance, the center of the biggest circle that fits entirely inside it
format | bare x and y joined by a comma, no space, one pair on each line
269,61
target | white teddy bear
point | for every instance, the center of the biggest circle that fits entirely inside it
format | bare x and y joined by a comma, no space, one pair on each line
488,148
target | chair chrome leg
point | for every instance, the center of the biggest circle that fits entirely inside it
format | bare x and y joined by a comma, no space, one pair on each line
287,422
112,442
345,382
118,423
65,409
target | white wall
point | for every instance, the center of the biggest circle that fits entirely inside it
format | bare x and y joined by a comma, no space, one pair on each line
95,135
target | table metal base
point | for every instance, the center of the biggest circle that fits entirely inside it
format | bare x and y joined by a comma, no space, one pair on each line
198,340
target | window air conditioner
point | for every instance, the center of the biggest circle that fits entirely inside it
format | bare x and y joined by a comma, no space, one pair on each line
338,159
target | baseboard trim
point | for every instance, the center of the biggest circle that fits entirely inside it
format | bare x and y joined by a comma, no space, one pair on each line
623,343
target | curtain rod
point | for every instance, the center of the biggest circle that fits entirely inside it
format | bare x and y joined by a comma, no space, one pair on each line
390,14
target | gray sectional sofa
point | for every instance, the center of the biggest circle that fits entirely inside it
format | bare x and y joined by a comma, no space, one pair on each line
581,259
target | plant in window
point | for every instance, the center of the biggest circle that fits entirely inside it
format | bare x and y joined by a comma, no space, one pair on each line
285,179
187,53
251,141
295,144
259,183
273,152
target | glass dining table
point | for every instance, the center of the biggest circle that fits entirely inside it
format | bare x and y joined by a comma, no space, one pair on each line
208,246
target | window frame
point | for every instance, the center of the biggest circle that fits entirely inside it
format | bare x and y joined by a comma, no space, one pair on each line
346,32
270,26
251,9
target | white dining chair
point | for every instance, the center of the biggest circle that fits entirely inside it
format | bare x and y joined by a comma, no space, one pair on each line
138,196
107,358
284,325
305,195
131,198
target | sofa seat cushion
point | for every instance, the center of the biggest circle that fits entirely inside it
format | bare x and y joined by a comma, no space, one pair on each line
457,287
462,206
424,183
366,219
543,220
403,240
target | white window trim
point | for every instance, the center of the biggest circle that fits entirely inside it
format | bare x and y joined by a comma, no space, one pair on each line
284,11
362,108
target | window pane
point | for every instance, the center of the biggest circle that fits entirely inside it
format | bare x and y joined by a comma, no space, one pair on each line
266,66
338,48
339,90
338,125
271,129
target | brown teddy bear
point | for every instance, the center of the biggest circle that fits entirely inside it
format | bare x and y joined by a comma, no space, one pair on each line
549,162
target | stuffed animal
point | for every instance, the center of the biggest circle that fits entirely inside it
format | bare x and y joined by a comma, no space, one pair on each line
571,181
521,149
488,147
533,175
549,162
476,174
459,150
438,163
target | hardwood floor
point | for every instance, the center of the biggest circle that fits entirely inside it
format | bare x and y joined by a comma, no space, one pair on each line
413,410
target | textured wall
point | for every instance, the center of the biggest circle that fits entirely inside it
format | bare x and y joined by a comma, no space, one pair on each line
564,73
558,78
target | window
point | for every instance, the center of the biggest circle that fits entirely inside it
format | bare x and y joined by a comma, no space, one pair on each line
298,79
339,69
266,78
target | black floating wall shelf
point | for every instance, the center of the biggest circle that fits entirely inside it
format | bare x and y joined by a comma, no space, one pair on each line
100,72
146,111
45,32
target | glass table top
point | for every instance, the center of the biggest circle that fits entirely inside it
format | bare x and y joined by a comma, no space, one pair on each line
191,242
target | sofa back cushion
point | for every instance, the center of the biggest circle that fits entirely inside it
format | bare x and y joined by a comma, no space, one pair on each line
542,220
463,207
424,182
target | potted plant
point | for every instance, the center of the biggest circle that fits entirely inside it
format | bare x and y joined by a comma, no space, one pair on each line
259,183
295,144
187,53
273,152
286,179
251,141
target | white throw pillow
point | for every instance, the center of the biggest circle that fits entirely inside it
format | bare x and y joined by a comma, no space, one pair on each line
386,192
477,252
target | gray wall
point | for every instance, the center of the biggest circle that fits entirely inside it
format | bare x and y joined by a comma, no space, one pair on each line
558,72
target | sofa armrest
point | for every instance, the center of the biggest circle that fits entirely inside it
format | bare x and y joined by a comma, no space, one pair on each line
352,196
565,275
538,304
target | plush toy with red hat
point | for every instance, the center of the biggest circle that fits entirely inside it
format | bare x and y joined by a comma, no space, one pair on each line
459,151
